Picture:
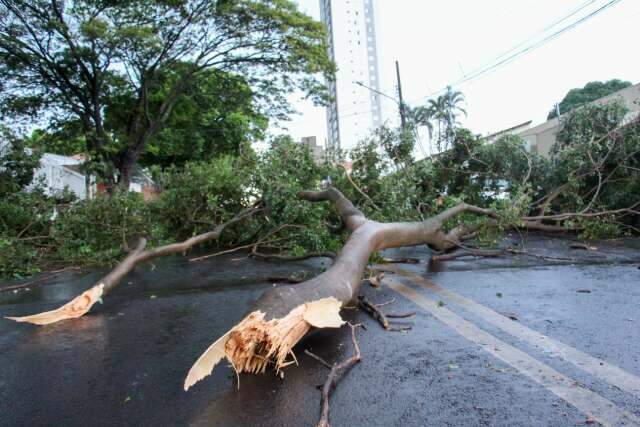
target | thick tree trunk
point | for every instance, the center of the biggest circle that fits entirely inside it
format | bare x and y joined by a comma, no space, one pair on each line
126,169
283,315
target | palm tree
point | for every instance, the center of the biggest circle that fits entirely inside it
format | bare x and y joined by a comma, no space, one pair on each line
444,110
422,116
453,99
439,109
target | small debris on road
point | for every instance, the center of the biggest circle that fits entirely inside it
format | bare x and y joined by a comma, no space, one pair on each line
583,291
499,294
583,246
511,316
375,280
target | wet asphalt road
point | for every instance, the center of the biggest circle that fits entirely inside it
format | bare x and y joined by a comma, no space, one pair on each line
124,364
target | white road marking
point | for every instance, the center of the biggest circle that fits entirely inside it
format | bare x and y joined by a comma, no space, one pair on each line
592,404
592,365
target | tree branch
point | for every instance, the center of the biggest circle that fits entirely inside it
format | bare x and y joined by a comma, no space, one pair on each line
83,303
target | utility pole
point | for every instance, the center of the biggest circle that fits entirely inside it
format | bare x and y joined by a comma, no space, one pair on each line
401,102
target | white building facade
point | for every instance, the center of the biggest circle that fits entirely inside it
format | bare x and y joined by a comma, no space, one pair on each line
57,173
355,110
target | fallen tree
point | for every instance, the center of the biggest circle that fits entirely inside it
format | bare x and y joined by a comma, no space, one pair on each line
284,315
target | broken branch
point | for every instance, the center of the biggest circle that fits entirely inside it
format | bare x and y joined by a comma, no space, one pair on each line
335,375
319,359
83,303
373,311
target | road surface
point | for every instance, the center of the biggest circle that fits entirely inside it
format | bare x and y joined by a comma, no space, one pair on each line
515,342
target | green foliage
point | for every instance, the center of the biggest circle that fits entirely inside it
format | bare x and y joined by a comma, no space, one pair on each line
599,228
122,217
18,259
24,219
283,171
202,194
118,73
368,167
398,144
24,216
597,157
596,163
215,115
590,92
17,163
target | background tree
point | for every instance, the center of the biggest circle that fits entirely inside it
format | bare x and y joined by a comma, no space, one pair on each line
444,111
422,116
215,115
71,60
590,92
17,163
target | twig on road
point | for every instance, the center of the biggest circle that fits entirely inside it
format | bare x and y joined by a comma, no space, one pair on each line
335,375
382,318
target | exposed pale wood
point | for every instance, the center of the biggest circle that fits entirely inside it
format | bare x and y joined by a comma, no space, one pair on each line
255,343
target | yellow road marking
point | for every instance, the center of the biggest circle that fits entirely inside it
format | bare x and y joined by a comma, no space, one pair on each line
594,366
596,406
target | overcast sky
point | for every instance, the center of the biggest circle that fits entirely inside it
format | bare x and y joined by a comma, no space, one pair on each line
436,42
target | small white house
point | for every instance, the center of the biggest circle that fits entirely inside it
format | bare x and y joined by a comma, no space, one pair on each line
58,172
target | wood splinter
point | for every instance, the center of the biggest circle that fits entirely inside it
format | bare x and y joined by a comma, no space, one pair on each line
255,343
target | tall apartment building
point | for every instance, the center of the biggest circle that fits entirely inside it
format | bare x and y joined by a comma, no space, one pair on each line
355,110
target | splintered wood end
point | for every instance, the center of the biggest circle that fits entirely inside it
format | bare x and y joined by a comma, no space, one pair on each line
254,344
74,308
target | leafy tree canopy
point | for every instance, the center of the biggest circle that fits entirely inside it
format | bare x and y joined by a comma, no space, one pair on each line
65,61
590,92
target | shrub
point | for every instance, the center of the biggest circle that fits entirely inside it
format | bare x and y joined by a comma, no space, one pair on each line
98,230
201,195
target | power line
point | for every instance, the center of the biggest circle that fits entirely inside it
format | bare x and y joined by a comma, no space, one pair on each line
545,29
501,60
